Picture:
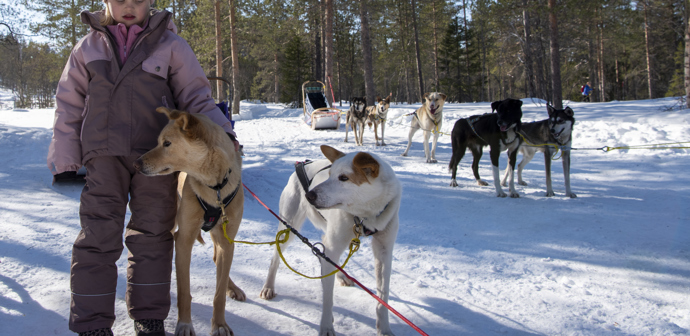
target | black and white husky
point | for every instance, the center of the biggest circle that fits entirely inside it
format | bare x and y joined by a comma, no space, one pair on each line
496,130
557,130
356,117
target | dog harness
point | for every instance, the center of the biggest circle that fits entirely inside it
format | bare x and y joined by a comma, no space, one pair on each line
305,181
212,213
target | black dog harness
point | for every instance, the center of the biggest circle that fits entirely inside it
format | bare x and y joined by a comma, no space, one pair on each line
213,213
305,181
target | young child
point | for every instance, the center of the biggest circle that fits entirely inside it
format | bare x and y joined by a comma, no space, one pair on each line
131,62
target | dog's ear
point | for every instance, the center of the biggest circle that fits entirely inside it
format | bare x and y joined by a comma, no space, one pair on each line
426,95
550,110
366,164
518,102
568,111
443,95
495,105
165,111
185,121
331,153
378,99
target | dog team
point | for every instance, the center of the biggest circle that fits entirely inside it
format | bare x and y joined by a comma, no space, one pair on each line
330,192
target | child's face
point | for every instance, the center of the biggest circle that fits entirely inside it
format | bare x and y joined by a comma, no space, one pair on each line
129,12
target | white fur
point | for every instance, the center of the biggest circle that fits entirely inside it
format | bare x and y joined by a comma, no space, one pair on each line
377,201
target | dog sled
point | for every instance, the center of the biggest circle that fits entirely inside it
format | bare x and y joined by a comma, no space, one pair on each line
317,113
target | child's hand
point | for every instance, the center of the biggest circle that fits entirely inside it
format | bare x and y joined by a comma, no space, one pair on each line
238,147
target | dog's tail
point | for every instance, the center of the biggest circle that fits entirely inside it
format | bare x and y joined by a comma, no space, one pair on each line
369,123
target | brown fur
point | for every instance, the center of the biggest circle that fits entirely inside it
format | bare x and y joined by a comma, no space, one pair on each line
198,147
377,115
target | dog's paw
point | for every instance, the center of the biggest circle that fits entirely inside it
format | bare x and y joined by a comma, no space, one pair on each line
431,161
327,331
501,194
483,184
403,154
267,293
221,330
572,195
522,183
343,280
383,143
384,333
514,194
504,184
236,293
550,194
453,183
184,329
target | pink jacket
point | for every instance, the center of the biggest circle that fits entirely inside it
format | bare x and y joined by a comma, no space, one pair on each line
108,109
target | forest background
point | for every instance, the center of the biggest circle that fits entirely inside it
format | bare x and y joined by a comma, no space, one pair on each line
471,50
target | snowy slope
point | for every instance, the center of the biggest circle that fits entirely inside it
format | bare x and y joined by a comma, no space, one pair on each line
614,261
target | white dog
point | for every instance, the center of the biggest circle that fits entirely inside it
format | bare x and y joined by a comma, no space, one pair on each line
429,118
356,186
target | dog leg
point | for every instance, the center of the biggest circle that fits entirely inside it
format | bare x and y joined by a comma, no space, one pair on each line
477,155
566,173
512,159
413,130
459,149
425,144
383,127
547,168
290,211
361,134
343,280
433,146
222,256
334,247
376,133
495,153
184,241
527,155
382,246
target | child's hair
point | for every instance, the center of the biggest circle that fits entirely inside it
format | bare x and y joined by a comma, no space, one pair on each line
107,18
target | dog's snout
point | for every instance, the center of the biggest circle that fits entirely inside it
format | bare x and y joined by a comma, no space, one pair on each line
311,197
138,163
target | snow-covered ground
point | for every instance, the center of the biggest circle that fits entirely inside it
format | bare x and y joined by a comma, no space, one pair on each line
613,261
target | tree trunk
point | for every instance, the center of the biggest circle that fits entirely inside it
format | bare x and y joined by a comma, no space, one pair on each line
435,53
276,79
687,56
650,85
366,53
328,44
467,52
527,49
602,75
557,95
219,52
594,58
234,47
416,49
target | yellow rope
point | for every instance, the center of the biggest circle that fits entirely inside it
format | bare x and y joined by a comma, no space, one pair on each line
557,147
354,247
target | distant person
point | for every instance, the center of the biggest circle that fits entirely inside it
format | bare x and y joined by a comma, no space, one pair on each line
131,62
586,91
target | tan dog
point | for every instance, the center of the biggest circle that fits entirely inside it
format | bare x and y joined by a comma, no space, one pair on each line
429,118
194,144
377,115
